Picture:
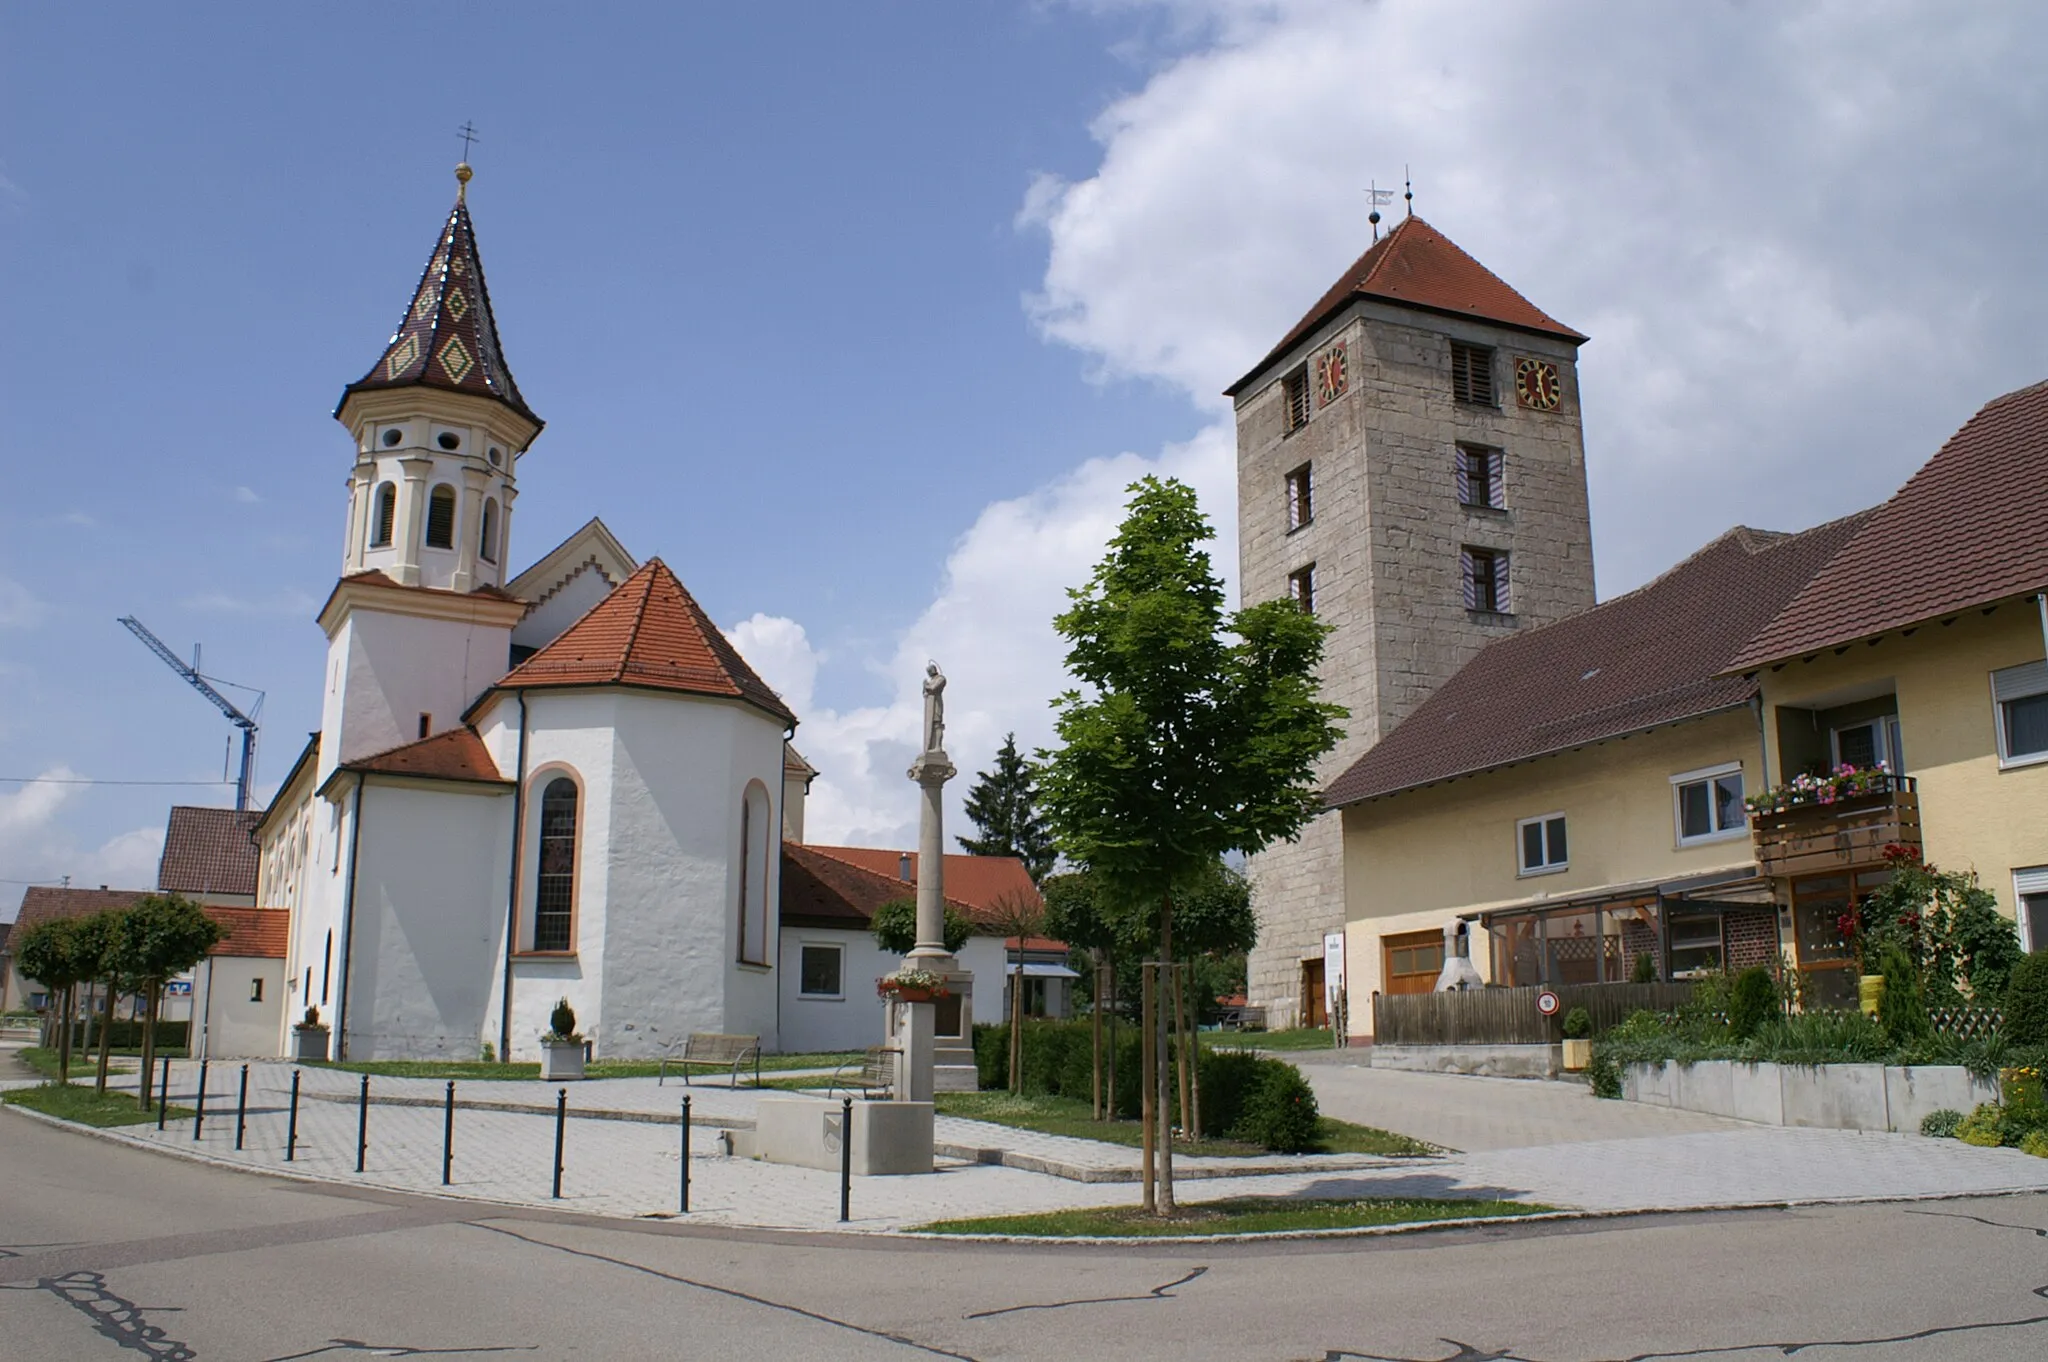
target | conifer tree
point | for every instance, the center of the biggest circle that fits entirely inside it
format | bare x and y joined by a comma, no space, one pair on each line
1004,808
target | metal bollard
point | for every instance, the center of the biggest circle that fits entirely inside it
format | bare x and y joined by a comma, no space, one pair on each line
291,1130
363,1123
199,1113
163,1094
845,1158
561,1121
242,1108
448,1136
686,1156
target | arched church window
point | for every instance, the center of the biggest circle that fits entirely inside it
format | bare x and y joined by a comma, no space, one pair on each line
441,517
754,828
385,512
554,899
487,546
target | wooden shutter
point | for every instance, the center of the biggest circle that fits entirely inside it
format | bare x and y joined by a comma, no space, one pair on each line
1496,491
1500,582
1471,576
1464,476
1471,374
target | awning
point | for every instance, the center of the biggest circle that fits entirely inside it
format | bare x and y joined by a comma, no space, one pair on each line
1740,888
1033,970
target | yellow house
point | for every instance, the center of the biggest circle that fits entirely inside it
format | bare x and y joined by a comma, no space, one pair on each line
1568,807
1919,653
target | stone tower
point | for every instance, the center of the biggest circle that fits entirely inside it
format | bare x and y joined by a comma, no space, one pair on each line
1410,466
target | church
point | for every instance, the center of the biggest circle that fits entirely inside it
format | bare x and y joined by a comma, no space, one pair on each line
560,783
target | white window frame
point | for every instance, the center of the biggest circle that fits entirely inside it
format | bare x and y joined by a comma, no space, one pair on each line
2026,881
1704,774
1548,867
2026,680
801,992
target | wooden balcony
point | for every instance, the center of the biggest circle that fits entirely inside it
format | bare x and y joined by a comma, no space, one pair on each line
1854,830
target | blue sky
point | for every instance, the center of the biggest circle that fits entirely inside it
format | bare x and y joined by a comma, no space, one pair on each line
860,315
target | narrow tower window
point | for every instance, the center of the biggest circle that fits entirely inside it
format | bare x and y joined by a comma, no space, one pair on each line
487,544
386,513
1481,477
554,899
754,821
1472,374
1486,580
1300,498
1294,389
441,518
1301,588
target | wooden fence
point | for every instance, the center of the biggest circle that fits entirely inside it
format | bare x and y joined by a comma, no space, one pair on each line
1508,1016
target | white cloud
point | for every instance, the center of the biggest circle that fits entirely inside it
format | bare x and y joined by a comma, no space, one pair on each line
35,846
287,601
781,652
247,496
78,518
19,608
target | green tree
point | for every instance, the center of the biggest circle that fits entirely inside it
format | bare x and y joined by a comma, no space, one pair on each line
97,940
1003,806
1192,735
162,935
895,927
48,954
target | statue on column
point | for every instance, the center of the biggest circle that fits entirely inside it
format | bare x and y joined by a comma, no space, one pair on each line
934,708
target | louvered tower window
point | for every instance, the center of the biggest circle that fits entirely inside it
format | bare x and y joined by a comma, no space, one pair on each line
441,518
385,512
1294,388
1472,374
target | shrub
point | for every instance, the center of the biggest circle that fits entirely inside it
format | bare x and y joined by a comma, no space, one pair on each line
1281,1113
1603,1074
1578,1024
127,1035
1984,1127
2036,1143
1902,1011
1646,969
1941,1125
1752,1001
312,1017
562,1021
2026,1002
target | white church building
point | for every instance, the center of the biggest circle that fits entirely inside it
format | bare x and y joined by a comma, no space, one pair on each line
564,783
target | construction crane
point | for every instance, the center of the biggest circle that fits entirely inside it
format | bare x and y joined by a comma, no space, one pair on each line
245,722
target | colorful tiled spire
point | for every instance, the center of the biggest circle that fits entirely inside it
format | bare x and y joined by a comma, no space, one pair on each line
448,338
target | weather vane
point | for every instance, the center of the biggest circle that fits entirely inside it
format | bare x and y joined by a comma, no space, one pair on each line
1374,197
467,132
1408,190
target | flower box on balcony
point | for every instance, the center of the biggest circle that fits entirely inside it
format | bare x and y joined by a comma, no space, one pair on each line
1833,823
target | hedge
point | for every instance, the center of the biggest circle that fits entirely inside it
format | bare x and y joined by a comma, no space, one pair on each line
127,1035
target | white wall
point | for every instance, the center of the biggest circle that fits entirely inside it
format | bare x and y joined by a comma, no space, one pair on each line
384,670
852,1021
227,1023
548,620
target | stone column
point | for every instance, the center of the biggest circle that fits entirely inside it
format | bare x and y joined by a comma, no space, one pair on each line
412,518
935,1040
362,491
468,526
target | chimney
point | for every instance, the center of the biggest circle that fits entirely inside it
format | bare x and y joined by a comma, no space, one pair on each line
903,866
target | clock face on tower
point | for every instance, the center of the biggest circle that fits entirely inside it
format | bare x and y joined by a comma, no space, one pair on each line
1536,384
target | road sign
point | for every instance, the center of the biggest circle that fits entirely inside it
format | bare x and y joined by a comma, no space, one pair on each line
1546,1003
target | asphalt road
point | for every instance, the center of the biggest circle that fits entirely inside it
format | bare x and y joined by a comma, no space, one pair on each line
109,1252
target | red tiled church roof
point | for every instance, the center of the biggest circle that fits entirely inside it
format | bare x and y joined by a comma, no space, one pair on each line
251,933
458,754
1417,266
208,851
1653,657
648,632
1970,528
448,337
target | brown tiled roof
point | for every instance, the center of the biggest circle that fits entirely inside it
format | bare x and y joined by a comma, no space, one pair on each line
980,883
458,754
448,337
1652,657
251,933
820,890
1415,265
1968,529
208,851
43,903
648,632
376,577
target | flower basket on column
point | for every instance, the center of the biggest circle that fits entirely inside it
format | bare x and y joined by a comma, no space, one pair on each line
912,986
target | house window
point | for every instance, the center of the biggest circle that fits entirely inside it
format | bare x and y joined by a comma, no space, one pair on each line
1472,374
487,541
1486,580
1709,804
1542,844
1301,588
1294,391
2031,889
426,724
1869,745
1696,947
818,973
386,506
1300,498
441,517
754,821
326,969
554,898
255,990
1482,477
2021,694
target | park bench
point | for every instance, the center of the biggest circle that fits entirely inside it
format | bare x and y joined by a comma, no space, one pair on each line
713,1050
873,1072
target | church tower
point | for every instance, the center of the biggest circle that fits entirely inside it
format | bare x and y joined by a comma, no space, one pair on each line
438,427
1411,468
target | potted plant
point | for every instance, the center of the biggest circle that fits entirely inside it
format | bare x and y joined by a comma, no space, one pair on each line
913,986
309,1038
1578,1040
561,1049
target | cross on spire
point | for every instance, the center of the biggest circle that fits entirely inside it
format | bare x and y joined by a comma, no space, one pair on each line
1374,197
467,132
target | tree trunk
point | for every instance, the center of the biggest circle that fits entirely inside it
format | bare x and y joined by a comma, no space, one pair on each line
106,1035
1147,1091
1095,1041
1182,1051
1164,1087
150,1007
1109,1086
1017,1023
69,993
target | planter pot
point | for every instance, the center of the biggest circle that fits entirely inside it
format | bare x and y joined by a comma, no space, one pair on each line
918,995
1578,1055
1869,993
560,1060
309,1043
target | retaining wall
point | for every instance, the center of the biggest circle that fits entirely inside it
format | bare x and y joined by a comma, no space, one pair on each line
1825,1096
1491,1061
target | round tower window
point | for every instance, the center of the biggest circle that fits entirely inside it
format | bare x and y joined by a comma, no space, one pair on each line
497,456
393,436
448,439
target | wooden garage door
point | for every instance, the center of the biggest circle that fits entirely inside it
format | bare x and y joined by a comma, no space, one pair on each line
1411,963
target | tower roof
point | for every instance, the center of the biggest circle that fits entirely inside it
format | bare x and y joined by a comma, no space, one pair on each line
448,337
1417,266
648,632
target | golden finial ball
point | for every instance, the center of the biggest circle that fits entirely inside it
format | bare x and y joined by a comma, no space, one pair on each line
463,172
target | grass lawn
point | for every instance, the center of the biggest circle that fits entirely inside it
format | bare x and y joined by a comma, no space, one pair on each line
1069,1116
636,1068
44,1061
1301,1038
1237,1215
78,1102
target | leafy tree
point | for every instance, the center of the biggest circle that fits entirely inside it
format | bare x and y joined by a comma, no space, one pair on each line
1192,735
1020,917
895,927
1004,808
99,948
48,954
162,935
